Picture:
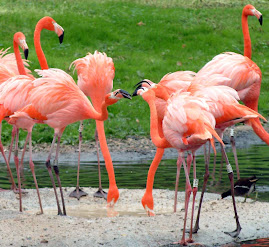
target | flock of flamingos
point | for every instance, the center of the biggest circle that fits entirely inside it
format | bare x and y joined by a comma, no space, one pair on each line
187,109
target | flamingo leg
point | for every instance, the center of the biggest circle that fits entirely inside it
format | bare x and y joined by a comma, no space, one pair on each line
147,199
235,233
32,167
78,192
23,153
187,198
194,191
232,140
206,176
48,165
13,184
100,193
179,164
56,170
220,169
16,160
12,141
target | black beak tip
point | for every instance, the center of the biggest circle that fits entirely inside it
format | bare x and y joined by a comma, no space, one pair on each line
26,51
61,38
260,20
125,94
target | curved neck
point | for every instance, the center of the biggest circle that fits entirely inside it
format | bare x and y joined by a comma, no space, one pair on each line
247,41
158,141
19,59
39,52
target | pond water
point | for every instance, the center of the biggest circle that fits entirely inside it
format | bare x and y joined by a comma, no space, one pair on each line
252,161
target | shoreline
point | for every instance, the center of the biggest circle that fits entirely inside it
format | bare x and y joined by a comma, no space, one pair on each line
88,224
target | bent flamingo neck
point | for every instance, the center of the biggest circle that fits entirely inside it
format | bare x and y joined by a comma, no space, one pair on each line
247,41
19,60
157,140
39,52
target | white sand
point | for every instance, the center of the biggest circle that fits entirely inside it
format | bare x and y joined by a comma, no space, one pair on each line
89,225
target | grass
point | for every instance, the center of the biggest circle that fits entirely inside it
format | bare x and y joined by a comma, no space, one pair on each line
175,35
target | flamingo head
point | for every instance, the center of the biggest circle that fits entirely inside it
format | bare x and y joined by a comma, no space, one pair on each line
19,38
148,204
116,95
145,84
250,10
112,195
50,24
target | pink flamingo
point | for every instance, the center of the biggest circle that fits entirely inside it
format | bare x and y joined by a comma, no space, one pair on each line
223,107
10,66
245,76
89,69
197,128
44,23
57,101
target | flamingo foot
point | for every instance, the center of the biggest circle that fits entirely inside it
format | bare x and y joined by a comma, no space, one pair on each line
194,229
149,211
190,240
77,193
23,192
100,194
235,233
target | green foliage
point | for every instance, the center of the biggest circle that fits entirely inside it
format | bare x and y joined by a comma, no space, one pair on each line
172,35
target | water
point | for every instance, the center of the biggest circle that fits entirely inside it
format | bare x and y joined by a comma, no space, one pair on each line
252,161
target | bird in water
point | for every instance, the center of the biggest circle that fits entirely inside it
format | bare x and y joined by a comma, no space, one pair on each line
243,187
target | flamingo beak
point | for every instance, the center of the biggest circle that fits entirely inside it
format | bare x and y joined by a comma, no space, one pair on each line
26,52
260,20
135,91
125,94
61,38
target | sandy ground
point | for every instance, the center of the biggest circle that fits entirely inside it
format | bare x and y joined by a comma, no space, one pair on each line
90,223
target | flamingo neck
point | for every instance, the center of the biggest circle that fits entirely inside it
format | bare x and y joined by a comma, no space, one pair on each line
39,52
19,60
247,41
156,138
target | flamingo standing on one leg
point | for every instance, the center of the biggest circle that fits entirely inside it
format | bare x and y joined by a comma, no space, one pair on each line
10,66
245,76
57,101
95,78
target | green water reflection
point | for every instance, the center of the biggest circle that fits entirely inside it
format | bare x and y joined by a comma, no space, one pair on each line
253,161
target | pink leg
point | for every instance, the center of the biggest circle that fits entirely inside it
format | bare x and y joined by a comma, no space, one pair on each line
48,165
179,164
23,153
14,129
78,192
194,191
187,198
235,233
232,140
32,167
100,192
56,170
13,184
16,160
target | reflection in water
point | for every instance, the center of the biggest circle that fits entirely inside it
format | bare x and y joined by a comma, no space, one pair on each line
93,211
253,161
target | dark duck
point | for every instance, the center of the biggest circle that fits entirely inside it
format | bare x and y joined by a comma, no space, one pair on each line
242,187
